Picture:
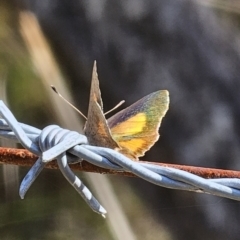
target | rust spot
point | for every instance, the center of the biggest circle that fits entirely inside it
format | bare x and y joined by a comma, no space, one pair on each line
22,157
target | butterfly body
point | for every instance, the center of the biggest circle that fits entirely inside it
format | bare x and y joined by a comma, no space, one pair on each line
132,131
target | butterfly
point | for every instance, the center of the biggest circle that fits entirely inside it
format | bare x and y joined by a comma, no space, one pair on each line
132,131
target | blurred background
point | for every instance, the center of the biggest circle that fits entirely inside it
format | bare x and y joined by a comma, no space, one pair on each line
191,48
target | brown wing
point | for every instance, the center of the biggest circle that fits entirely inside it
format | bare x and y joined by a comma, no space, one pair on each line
96,128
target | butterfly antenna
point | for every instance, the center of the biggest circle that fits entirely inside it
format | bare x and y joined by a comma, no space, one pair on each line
56,91
118,105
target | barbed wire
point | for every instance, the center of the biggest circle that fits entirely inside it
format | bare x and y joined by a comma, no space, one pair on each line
69,147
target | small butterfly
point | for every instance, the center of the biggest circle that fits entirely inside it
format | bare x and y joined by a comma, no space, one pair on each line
132,131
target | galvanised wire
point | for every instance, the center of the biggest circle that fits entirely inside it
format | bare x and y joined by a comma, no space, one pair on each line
69,147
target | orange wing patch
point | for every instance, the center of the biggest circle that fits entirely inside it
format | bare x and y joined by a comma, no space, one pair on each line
131,126
131,136
133,148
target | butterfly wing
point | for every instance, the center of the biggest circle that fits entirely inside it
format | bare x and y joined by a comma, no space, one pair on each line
96,128
135,128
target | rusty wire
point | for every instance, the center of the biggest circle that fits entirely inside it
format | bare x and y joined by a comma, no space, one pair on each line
69,147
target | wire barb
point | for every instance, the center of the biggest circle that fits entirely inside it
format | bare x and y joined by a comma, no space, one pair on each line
71,147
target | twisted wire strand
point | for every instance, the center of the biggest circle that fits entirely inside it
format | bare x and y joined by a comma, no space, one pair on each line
47,138
68,147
